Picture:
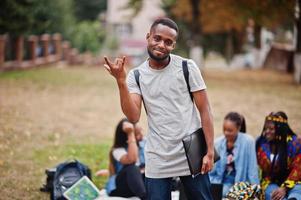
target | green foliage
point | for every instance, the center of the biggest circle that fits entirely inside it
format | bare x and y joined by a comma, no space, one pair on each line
16,17
111,43
214,42
280,12
36,17
135,5
89,10
53,16
87,36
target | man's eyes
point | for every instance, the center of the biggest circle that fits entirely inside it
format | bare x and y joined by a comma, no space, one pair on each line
157,39
166,42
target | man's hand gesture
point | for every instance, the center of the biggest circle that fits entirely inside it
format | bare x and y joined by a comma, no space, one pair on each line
116,68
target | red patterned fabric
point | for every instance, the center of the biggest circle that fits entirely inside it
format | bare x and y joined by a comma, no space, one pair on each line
293,161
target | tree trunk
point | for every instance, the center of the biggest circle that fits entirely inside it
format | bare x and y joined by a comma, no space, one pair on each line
298,25
297,56
196,35
297,69
238,41
257,35
196,22
229,46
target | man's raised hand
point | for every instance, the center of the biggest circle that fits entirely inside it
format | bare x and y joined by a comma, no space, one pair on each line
116,68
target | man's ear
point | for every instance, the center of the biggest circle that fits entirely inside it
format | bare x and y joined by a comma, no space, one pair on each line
147,36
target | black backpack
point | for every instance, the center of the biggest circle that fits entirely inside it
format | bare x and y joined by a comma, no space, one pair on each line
48,187
63,177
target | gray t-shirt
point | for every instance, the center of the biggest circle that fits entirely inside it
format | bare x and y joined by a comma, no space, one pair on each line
171,115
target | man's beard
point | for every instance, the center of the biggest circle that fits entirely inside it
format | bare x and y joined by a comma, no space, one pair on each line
156,58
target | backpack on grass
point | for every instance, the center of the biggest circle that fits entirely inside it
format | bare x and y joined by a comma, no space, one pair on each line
48,187
62,177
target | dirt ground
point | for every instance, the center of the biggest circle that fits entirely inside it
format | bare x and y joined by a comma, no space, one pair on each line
57,106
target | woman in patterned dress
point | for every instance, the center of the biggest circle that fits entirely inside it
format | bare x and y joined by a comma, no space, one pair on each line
279,158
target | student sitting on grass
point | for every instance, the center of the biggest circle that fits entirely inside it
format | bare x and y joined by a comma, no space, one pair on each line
279,157
237,152
126,166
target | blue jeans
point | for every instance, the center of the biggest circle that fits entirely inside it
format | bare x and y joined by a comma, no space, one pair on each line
197,188
295,192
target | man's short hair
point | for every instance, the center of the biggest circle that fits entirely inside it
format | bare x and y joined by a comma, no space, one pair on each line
167,22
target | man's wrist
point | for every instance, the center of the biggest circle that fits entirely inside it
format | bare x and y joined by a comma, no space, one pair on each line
121,81
210,153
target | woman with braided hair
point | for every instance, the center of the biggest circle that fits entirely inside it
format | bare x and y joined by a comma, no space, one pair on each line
279,158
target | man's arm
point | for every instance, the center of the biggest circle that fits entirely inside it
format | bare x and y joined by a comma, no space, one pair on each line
201,101
130,103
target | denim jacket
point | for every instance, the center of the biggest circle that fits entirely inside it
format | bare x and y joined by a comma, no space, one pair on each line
244,159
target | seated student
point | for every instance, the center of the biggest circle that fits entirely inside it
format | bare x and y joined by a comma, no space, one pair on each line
126,162
237,155
279,158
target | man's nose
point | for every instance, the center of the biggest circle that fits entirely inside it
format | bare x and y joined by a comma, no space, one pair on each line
161,44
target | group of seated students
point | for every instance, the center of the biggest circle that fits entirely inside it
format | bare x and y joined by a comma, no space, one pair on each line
273,160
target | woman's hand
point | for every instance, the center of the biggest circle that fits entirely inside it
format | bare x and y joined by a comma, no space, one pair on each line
102,172
128,127
279,193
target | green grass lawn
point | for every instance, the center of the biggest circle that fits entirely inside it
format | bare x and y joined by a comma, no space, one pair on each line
93,155
52,114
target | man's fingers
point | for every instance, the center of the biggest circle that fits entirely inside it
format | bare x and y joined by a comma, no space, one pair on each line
123,61
117,64
109,63
204,167
119,61
107,68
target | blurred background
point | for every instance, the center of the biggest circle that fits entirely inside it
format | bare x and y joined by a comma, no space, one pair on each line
57,102
236,34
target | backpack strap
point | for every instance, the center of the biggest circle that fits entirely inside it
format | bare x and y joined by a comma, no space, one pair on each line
137,78
186,76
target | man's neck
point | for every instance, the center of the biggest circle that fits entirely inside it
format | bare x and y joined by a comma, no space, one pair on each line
158,64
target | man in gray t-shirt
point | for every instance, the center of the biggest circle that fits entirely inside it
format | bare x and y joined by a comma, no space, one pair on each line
171,114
